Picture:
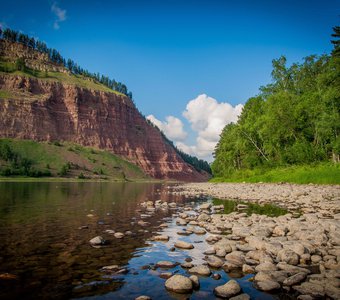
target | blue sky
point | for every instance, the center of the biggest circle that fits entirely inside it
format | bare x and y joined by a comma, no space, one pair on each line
170,52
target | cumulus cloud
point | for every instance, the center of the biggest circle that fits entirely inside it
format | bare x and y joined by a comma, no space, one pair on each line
172,127
207,118
59,13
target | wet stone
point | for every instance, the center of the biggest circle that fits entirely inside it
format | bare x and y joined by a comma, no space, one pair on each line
179,284
200,270
228,290
183,245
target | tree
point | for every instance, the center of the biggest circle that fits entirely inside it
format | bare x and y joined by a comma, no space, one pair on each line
336,42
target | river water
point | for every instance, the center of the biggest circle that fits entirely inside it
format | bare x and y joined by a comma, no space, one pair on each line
45,230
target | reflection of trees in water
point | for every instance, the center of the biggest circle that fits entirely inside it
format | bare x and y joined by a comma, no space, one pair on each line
41,241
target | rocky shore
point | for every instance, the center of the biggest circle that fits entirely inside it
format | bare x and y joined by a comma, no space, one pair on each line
297,253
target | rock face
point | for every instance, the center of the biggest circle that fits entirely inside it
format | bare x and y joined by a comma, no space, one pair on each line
44,110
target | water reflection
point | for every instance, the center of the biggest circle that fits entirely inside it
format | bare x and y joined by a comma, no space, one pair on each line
41,242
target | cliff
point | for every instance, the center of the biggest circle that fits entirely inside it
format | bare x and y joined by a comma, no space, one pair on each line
47,110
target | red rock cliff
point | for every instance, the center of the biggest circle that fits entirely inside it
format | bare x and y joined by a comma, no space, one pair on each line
45,110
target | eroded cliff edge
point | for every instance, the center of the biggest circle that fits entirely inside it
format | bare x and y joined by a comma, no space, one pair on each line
45,110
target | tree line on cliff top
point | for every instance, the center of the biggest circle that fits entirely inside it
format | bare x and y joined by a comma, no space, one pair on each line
294,120
54,55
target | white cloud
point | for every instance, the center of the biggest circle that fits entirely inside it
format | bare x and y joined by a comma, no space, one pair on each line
59,13
172,127
208,117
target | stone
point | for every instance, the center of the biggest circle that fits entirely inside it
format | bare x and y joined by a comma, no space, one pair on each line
199,231
97,241
266,267
263,276
200,270
316,259
214,261
240,297
228,290
229,267
205,206
295,279
210,251
179,284
111,268
246,269
165,275
267,285
195,281
312,289
203,218
236,258
162,238
165,264
291,269
221,252
187,265
119,235
216,276
143,298
183,245
288,256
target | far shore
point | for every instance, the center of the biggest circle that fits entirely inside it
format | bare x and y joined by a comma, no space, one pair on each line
307,198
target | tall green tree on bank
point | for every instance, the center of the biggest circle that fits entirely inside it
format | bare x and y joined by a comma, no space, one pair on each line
294,120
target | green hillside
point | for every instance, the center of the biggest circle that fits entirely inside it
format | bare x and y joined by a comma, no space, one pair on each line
25,158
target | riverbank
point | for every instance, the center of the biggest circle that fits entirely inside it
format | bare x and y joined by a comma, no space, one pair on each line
297,253
303,198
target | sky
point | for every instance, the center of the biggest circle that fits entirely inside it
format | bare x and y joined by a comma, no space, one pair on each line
190,64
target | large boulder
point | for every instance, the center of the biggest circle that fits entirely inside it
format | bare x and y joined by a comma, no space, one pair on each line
228,290
179,284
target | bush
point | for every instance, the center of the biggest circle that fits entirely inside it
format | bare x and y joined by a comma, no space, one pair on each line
81,176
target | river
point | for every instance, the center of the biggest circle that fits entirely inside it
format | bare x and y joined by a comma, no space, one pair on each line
45,230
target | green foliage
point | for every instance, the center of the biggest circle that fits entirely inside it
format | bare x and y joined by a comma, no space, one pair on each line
13,163
20,64
64,170
81,176
322,173
295,120
48,159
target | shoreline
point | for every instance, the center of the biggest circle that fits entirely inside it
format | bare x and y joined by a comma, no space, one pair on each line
296,254
307,198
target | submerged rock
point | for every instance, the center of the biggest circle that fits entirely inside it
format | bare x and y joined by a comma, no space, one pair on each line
165,264
97,241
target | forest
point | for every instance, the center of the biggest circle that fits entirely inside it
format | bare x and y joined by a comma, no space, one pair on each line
54,55
294,120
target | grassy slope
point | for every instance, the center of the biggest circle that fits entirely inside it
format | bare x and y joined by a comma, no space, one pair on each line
72,79
93,163
323,173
